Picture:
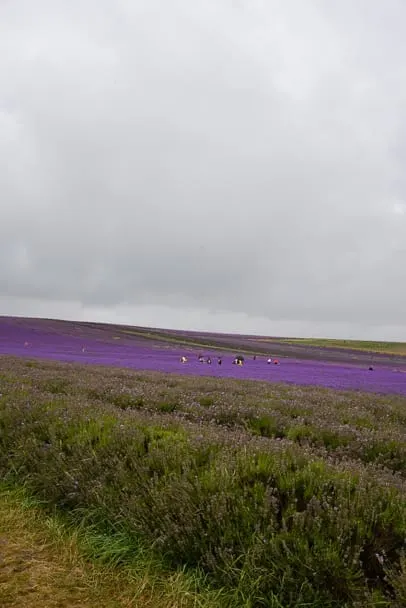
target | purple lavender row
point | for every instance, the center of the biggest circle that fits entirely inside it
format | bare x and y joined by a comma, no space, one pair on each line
37,342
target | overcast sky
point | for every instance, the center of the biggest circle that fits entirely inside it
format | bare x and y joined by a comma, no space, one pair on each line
207,164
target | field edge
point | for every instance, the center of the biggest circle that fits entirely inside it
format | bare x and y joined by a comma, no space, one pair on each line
42,555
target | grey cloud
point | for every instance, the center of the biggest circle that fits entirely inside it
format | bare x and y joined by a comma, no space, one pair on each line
213,156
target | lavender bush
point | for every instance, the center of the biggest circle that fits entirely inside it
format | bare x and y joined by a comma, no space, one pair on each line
285,495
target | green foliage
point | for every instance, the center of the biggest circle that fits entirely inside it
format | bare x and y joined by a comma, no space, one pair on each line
126,401
328,438
300,433
31,364
206,401
389,453
167,406
56,386
122,400
266,426
363,422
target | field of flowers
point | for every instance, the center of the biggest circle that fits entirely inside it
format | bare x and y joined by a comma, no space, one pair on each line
280,495
49,341
286,491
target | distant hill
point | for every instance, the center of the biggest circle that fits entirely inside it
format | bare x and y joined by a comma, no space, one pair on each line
301,348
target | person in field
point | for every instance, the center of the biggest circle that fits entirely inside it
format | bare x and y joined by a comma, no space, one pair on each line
209,360
269,360
183,359
219,360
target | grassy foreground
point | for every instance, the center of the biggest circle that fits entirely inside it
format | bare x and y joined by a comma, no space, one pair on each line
276,496
45,564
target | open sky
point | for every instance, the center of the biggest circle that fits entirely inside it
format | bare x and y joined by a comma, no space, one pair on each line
206,164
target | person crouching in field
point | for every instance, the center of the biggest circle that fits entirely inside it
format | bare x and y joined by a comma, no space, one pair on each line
183,360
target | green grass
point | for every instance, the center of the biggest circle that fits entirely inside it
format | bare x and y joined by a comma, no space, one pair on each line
266,426
47,561
393,348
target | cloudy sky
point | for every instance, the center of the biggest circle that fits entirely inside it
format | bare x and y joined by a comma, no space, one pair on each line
207,164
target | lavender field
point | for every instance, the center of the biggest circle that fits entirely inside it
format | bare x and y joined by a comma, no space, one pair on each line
277,492
75,343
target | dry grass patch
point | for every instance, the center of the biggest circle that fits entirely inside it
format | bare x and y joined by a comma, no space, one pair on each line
41,566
